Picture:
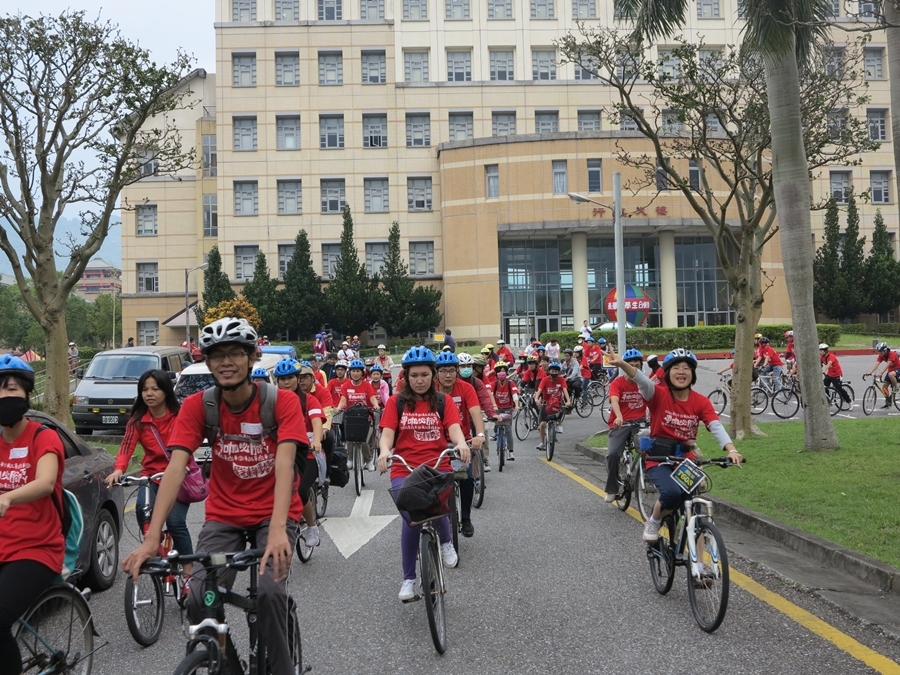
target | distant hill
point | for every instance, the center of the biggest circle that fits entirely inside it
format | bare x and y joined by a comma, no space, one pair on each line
111,250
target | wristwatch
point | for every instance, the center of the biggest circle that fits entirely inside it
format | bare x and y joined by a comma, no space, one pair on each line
481,435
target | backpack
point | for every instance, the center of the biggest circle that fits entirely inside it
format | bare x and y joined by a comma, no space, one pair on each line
72,519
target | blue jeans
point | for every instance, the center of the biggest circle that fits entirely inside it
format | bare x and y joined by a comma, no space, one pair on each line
176,523
671,496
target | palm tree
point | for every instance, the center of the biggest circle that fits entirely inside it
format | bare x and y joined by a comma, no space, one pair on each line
784,33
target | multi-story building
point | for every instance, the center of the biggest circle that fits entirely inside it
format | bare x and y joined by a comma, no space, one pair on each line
457,119
99,276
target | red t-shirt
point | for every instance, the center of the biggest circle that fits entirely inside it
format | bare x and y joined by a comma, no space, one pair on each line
242,476
503,394
31,531
631,403
357,394
323,395
585,366
334,388
533,376
506,355
155,459
660,375
678,420
834,367
464,396
313,410
420,435
892,359
594,354
774,359
552,392
320,377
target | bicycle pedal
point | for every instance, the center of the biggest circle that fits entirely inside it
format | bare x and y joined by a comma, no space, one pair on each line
415,598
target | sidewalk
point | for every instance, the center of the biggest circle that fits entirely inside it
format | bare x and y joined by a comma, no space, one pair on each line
857,584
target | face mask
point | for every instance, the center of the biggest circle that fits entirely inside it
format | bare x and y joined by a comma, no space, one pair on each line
501,376
12,410
465,372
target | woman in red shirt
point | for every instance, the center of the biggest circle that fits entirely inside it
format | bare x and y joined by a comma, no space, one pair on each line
31,539
151,422
418,434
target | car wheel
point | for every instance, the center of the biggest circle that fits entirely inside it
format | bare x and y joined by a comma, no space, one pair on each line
104,553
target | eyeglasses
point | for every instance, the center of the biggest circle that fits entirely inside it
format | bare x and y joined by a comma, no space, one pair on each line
230,356
447,370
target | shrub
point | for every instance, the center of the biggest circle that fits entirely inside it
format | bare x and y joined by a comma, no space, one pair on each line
854,328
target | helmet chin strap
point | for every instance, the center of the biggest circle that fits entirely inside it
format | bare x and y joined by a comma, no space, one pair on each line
233,387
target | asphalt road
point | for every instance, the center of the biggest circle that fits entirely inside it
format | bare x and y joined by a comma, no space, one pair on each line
554,580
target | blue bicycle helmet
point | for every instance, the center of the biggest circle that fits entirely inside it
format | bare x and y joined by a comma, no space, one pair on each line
14,365
285,368
679,355
447,359
375,366
357,364
416,355
633,355
554,364
602,341
259,373
306,363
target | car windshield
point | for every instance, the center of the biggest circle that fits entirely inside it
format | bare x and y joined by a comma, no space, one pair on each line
121,366
191,384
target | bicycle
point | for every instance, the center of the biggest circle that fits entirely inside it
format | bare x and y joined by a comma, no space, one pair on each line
698,546
631,474
870,395
210,648
430,582
526,418
550,441
502,446
304,552
582,402
719,396
145,608
785,402
357,420
836,402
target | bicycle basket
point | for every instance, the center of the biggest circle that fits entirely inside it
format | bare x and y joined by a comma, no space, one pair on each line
356,424
424,495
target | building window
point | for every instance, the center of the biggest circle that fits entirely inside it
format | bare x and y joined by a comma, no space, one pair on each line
595,175
243,10
245,261
287,132
243,70
371,9
491,181
840,186
287,70
285,255
694,175
418,131
210,156
560,177
376,195
461,126
415,66
503,124
211,215
626,67
287,10
330,10
148,333
542,9
457,9
290,197
669,64
877,120
867,9
418,194
415,10
588,120
331,131
834,61
331,254
835,8
713,125
502,65
148,277
459,66
880,186
246,198
375,254
874,64
375,131
500,9
707,9
331,68
334,196
672,122
837,123
662,179
627,122
421,257
374,68
546,122
245,133
588,69
543,64
584,9
146,220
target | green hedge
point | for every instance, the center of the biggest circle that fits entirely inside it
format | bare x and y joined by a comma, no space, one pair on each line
855,328
880,329
696,337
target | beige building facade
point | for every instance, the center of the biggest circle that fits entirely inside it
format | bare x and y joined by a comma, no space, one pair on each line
455,119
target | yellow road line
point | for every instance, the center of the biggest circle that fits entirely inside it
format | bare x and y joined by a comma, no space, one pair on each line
130,508
842,641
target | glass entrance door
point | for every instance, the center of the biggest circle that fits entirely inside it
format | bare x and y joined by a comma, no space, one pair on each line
545,324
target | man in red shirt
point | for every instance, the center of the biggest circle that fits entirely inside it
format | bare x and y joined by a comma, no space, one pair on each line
891,362
506,396
626,405
335,383
471,370
553,393
251,487
504,353
771,362
831,369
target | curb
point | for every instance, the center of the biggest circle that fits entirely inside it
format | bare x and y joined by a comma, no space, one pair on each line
857,565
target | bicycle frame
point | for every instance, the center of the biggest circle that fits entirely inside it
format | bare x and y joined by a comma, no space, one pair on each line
165,539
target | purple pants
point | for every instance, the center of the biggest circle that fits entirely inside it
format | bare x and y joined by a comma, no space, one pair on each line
409,538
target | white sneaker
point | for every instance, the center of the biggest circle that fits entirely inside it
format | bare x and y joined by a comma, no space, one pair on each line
559,430
370,466
651,531
349,464
609,498
487,467
312,536
541,447
408,590
448,554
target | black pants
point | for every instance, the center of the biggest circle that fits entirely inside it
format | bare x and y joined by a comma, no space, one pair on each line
615,448
21,582
836,383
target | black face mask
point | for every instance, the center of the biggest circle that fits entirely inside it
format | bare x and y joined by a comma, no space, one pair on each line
12,410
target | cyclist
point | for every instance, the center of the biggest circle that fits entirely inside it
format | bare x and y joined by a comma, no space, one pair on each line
626,405
386,362
657,374
580,356
471,370
356,390
594,354
676,410
150,424
571,370
831,369
506,395
553,393
789,348
345,353
316,364
532,375
504,353
489,354
413,427
757,351
771,363
336,382
31,537
319,344
891,362
730,366
376,379
251,489
553,349
259,374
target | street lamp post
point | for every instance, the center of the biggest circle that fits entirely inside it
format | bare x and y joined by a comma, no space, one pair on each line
619,250
187,305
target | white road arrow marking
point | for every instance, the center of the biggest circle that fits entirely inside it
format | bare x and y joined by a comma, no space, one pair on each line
351,534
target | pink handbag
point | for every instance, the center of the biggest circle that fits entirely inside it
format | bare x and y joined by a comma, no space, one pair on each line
195,487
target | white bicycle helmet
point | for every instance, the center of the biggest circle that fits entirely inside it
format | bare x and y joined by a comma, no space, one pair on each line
466,359
342,363
229,330
881,347
823,346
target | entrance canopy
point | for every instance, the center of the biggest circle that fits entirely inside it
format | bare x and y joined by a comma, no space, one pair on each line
177,320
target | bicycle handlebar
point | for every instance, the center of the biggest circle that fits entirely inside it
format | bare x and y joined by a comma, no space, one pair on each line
451,452
236,560
723,462
128,481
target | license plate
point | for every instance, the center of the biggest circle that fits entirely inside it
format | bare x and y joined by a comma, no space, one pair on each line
110,419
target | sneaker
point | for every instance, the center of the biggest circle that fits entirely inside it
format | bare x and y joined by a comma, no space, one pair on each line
448,554
370,466
609,498
349,464
887,404
467,528
559,430
408,590
510,456
541,447
487,467
312,536
651,531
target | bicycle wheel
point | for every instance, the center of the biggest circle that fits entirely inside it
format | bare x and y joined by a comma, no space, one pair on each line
623,495
478,477
870,399
785,404
195,662
708,587
358,468
605,408
596,393
550,445
647,494
834,401
522,423
719,400
583,406
145,608
454,516
852,395
759,401
304,552
432,589
501,448
56,634
661,556
322,501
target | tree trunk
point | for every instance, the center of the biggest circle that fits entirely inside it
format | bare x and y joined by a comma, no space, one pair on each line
790,176
56,393
748,304
892,35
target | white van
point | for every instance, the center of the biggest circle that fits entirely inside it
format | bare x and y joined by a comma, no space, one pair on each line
196,377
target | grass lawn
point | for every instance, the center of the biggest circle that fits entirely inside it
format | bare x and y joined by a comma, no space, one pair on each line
851,341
